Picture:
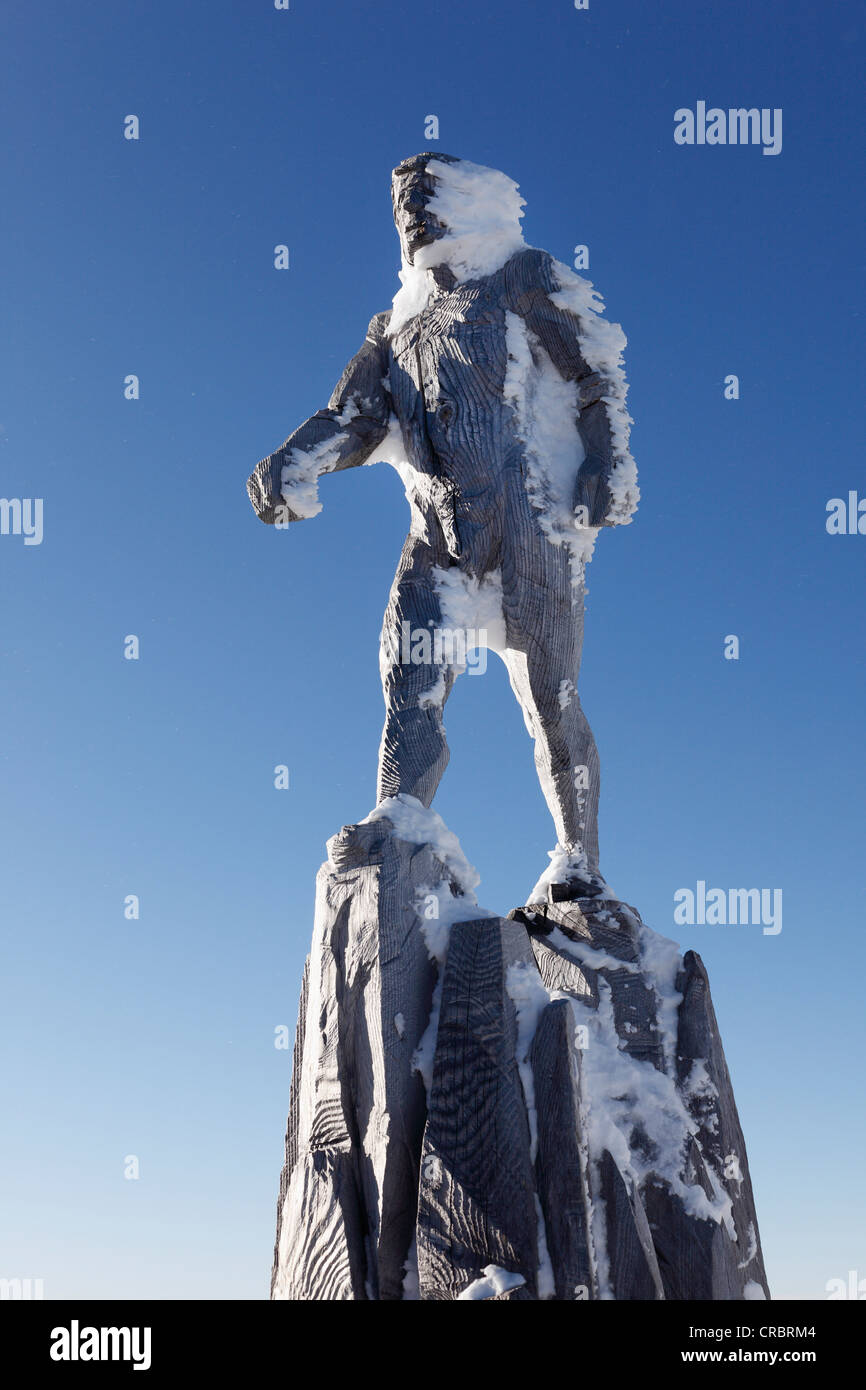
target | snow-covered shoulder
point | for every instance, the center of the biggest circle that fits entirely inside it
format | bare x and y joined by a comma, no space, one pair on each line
602,344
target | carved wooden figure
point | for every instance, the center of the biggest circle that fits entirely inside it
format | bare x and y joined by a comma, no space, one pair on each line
502,389
535,1107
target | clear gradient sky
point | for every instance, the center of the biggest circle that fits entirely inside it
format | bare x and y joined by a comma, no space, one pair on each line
154,777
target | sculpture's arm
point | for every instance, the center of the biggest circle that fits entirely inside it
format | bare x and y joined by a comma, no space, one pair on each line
549,300
284,486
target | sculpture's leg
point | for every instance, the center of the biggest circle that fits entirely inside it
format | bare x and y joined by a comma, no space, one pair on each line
544,625
413,753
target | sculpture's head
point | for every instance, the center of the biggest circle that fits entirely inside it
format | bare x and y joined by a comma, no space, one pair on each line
452,212
412,191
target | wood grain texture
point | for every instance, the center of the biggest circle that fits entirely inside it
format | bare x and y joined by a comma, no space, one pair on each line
373,1165
719,1136
476,1204
560,1167
291,1147
631,1256
348,1205
476,511
696,1258
504,427
560,971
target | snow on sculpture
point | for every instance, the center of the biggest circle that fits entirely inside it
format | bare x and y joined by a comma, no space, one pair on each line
535,1107
497,391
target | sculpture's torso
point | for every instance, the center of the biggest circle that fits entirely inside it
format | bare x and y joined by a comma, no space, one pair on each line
447,375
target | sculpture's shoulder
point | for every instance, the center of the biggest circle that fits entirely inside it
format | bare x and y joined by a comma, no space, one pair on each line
530,270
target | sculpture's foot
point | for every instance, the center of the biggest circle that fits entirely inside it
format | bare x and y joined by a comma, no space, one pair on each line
570,877
533,916
582,887
578,885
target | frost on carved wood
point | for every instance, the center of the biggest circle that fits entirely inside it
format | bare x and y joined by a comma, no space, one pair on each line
475,1205
522,1108
517,1160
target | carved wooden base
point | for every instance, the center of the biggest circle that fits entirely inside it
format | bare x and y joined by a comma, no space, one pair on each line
574,1133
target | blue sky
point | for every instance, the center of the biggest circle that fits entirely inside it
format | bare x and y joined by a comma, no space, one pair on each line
155,777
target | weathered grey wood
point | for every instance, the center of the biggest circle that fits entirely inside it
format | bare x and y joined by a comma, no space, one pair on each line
560,971
291,1147
603,923
561,1176
719,1135
481,359
357,1138
476,1205
631,1256
481,508
393,1110
609,926
321,1252
634,1008
697,1259
562,933
353,1188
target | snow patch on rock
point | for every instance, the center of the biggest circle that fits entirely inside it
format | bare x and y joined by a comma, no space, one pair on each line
494,1280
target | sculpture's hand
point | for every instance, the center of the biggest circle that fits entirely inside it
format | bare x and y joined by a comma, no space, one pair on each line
592,495
283,514
270,496
283,487
263,489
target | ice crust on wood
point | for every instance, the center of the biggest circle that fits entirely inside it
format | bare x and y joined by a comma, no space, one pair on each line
511,1109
